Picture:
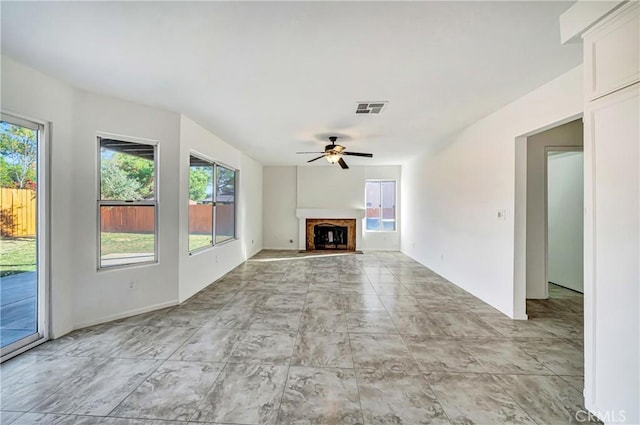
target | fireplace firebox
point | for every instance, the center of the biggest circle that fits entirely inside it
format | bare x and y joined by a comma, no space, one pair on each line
331,234
328,236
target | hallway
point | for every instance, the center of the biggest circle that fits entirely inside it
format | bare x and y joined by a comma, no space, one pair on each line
288,338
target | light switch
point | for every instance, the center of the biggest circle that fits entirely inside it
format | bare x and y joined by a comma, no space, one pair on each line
502,215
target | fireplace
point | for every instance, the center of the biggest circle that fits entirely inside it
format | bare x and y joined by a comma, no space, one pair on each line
329,236
351,218
333,234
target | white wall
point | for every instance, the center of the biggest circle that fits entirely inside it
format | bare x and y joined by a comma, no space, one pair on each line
279,224
321,187
104,295
565,195
569,134
452,194
330,187
250,206
203,267
81,295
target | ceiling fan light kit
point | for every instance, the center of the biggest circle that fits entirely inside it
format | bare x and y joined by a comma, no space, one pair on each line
333,153
333,157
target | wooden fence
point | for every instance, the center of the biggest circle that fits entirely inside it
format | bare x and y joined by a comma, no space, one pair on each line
130,219
201,219
18,216
17,212
139,219
387,212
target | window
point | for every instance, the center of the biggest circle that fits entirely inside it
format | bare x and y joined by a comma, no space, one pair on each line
225,204
380,198
127,204
200,203
212,196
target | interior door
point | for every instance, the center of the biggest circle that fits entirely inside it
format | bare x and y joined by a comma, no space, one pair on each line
565,213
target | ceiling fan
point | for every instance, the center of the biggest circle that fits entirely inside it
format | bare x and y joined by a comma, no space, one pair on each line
334,153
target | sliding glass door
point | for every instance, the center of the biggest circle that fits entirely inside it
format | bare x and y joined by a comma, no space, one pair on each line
22,248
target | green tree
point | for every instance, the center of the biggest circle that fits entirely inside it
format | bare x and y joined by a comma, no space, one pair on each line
19,152
226,181
5,173
139,169
199,181
116,184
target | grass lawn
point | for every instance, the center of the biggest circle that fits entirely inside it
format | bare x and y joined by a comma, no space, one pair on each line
222,238
201,241
18,256
124,243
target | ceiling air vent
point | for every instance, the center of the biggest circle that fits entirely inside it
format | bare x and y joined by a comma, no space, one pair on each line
370,107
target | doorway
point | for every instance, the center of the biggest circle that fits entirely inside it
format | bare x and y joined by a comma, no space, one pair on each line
23,295
565,137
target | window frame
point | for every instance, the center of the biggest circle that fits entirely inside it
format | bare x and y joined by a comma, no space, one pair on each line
43,245
215,165
235,203
155,203
211,243
395,206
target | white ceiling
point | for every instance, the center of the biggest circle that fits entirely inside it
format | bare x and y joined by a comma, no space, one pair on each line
273,78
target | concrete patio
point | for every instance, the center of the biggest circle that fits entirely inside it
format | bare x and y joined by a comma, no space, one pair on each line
18,307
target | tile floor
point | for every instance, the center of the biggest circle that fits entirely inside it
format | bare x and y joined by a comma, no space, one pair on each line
291,339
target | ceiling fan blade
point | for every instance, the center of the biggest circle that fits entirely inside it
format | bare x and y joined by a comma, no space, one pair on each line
308,152
343,164
315,159
368,155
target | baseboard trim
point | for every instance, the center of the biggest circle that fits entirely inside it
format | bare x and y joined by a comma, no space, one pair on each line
524,317
124,314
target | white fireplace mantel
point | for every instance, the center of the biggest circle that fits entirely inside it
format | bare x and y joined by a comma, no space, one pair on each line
304,213
329,213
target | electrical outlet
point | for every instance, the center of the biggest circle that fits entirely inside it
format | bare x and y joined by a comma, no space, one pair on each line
217,259
132,284
502,215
